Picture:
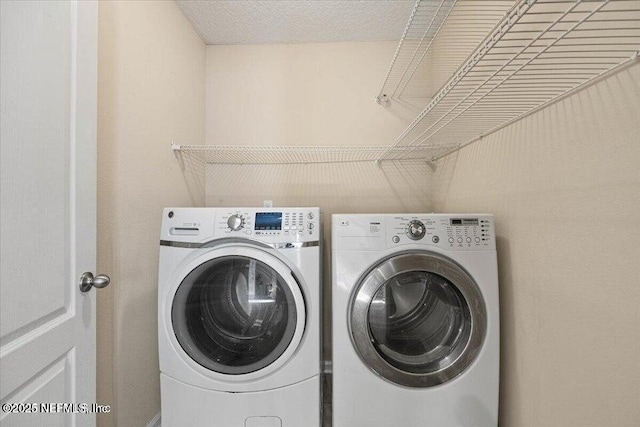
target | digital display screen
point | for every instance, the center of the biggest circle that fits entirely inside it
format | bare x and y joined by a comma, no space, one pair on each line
268,221
464,221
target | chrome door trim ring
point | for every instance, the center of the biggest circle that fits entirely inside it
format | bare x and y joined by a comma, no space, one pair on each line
297,286
370,282
189,345
192,245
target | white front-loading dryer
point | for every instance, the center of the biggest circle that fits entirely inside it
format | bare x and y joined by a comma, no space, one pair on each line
415,321
239,308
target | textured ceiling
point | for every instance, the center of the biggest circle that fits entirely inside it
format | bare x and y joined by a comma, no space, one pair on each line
302,21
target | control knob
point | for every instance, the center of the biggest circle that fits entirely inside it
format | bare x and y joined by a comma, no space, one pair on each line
416,230
235,222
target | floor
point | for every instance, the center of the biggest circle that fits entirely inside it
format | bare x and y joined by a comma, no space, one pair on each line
326,400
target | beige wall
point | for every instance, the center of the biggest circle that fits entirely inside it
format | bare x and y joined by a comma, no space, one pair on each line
564,185
309,94
300,94
151,90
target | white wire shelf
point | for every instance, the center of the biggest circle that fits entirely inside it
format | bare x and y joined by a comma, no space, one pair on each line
437,39
540,51
262,155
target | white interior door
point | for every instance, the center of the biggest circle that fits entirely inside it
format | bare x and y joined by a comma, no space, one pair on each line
47,222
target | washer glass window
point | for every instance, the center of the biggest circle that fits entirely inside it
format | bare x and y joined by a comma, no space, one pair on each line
234,315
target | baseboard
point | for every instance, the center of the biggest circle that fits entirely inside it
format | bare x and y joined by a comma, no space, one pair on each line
155,422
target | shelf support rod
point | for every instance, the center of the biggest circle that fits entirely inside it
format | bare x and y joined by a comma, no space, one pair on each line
379,98
424,51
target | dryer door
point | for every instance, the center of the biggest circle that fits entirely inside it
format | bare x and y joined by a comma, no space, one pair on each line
236,314
418,319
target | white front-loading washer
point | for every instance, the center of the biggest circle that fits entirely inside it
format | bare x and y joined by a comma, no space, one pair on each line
415,321
239,317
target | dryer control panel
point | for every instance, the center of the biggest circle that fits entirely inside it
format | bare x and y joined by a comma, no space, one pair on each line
446,231
269,225
458,232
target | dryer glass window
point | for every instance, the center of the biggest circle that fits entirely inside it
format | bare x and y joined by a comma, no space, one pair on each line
234,315
418,320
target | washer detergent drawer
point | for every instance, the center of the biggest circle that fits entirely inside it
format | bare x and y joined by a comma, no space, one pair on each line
263,422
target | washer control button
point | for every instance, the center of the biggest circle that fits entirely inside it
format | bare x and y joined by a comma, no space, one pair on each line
450,239
477,240
310,215
300,228
235,222
310,226
459,239
395,239
435,239
468,239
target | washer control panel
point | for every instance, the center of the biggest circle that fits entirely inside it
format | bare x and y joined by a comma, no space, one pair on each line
270,224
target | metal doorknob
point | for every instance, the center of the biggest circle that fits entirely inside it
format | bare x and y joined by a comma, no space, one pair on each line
87,281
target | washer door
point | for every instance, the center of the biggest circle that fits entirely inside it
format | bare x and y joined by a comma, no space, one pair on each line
418,319
235,314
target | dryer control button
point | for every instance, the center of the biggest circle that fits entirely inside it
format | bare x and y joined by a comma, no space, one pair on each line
416,230
395,239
